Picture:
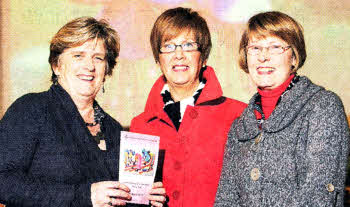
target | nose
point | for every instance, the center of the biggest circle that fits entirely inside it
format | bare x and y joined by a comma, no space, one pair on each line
264,55
179,53
89,63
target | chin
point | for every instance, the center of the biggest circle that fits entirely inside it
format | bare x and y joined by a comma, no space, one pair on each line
265,86
179,82
87,93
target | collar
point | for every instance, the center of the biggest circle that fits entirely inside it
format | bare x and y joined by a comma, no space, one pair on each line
154,105
168,100
272,97
246,127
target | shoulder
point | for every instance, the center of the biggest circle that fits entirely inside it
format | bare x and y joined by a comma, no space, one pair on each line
236,103
138,121
312,97
31,99
235,106
32,103
27,112
327,111
325,99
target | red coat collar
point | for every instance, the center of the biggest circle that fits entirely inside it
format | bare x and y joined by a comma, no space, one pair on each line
154,105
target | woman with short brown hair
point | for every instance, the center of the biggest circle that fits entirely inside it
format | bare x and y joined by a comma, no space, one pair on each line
290,145
187,109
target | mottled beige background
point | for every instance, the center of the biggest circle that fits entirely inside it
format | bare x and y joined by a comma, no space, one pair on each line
27,27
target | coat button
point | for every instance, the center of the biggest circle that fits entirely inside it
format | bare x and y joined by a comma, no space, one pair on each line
193,114
257,139
330,187
176,195
255,174
177,165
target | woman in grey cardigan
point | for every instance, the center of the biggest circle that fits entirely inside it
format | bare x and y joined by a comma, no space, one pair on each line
290,146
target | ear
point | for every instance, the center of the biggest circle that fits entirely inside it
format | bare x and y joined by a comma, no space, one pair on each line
56,67
56,70
294,61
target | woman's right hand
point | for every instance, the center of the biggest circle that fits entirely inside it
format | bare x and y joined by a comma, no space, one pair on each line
109,193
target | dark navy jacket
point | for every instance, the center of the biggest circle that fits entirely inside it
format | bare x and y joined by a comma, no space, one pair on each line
48,157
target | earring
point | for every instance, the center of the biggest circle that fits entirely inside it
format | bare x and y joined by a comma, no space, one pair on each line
56,80
293,68
103,88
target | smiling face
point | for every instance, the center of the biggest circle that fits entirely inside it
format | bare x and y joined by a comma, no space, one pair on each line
269,71
181,69
81,69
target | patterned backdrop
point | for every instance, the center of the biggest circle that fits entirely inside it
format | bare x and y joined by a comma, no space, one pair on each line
27,27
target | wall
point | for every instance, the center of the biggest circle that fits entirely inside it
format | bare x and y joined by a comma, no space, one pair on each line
27,27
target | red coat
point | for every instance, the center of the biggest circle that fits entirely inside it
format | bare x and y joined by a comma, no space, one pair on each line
193,155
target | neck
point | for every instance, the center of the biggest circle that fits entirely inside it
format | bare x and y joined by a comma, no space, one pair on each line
83,103
85,108
278,90
179,93
269,98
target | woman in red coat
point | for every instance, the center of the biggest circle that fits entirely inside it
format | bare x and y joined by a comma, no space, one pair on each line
186,109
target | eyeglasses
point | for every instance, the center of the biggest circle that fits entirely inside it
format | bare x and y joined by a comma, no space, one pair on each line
187,47
272,49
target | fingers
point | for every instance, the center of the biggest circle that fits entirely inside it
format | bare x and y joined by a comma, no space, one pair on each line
117,202
118,193
157,204
123,187
157,185
158,189
114,184
103,202
109,193
157,198
157,194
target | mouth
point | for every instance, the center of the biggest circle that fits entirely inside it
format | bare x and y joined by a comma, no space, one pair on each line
265,70
180,68
86,77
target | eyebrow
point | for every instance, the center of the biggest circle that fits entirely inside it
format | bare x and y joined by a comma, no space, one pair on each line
270,42
83,52
184,41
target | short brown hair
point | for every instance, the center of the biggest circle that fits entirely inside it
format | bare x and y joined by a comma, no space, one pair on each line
173,22
79,31
276,24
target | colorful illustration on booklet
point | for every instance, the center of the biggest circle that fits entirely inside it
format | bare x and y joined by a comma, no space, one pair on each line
139,163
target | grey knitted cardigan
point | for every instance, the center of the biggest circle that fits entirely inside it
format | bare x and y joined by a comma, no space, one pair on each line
298,158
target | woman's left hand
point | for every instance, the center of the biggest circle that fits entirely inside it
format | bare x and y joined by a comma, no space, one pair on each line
157,195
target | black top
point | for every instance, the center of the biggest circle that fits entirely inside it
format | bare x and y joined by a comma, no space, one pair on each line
48,156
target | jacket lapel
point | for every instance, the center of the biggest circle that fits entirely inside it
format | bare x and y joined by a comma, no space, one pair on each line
291,104
71,129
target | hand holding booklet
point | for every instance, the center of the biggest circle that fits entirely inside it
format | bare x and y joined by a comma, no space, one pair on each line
138,164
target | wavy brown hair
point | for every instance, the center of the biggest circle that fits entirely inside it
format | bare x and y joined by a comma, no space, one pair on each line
79,31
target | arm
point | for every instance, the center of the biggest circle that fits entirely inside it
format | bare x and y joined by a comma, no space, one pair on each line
227,193
326,154
19,140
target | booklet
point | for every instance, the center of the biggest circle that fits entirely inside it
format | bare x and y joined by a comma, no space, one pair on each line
138,164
